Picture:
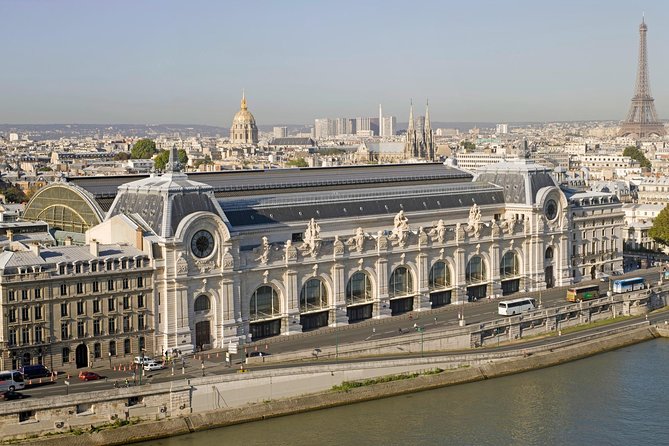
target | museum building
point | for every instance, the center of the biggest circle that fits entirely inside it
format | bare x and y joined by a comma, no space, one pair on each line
238,256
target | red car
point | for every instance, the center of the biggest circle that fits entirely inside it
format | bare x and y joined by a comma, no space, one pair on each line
89,376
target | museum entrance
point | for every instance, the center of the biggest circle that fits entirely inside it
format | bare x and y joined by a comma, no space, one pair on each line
510,286
265,329
477,292
359,313
440,298
312,321
548,277
81,356
401,305
202,335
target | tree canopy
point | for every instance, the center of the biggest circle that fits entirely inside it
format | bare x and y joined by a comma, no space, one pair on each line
121,156
468,145
660,230
297,162
636,154
13,194
164,157
143,149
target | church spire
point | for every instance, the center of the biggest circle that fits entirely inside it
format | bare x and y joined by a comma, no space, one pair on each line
427,114
243,99
411,124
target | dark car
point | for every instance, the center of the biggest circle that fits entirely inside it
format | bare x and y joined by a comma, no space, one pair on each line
11,395
89,376
257,354
35,371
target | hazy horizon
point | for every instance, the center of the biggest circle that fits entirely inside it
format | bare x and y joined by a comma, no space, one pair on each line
170,62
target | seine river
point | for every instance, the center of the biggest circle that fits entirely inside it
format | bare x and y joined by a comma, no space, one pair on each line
616,398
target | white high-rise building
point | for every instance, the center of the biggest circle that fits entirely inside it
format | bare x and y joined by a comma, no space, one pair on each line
502,129
280,132
363,126
388,126
325,128
13,137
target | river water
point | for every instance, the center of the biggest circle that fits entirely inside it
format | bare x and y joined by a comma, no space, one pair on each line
616,398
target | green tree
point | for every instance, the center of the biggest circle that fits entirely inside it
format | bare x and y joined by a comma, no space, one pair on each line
164,157
121,156
660,229
468,145
297,162
14,195
636,154
206,160
143,149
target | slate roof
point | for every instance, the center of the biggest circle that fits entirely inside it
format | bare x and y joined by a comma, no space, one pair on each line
68,254
520,180
261,210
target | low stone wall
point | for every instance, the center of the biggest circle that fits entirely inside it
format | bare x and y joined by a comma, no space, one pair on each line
481,366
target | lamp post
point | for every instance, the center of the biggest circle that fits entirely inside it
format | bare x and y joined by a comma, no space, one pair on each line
421,330
109,353
141,367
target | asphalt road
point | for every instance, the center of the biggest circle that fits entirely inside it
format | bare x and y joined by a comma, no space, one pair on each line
438,319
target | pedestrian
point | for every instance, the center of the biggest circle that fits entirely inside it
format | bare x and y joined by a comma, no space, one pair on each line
127,383
399,330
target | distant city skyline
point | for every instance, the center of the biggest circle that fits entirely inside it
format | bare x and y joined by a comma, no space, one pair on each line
171,62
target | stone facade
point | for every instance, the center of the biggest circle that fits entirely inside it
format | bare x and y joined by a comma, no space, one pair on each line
72,306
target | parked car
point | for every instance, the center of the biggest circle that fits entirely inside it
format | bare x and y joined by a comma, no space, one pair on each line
89,376
35,371
257,354
142,361
151,366
604,277
11,395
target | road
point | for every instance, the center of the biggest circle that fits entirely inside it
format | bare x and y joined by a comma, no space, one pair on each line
438,319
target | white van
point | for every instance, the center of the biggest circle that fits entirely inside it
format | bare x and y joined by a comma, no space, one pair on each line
11,380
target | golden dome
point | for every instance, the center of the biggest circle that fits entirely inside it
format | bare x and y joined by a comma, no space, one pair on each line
243,116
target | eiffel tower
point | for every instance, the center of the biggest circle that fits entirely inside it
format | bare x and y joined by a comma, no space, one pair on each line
642,119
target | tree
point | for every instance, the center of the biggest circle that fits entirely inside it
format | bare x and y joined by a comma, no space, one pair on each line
143,149
121,156
660,229
164,157
14,195
636,154
297,162
205,161
468,145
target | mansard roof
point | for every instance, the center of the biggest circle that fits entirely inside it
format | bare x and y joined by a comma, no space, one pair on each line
353,203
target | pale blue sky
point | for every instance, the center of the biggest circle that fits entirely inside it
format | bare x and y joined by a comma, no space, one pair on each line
133,61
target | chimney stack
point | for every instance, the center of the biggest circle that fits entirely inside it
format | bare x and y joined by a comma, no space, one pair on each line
35,248
68,241
95,248
10,235
139,239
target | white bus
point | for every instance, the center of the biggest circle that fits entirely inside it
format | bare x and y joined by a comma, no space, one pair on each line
516,306
11,380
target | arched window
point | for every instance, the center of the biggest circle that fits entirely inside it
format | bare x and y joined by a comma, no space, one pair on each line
401,282
358,289
313,296
509,266
549,253
440,276
202,303
476,270
264,303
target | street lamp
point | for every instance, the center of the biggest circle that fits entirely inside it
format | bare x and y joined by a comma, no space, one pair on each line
110,366
141,367
421,330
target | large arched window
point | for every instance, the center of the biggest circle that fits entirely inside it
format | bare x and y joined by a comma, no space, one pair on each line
440,276
264,303
202,303
358,289
509,266
401,282
313,296
549,253
476,270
